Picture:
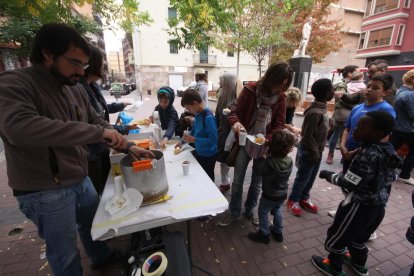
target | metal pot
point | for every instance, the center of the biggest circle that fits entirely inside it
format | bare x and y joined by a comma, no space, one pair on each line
152,183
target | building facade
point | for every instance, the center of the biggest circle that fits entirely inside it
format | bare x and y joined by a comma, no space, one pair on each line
116,66
128,54
351,12
159,63
388,33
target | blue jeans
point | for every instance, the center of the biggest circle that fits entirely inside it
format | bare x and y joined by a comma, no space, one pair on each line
240,168
58,215
274,207
398,138
305,176
337,132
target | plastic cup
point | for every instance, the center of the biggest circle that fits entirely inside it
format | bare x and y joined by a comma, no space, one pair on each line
155,115
187,132
186,167
242,138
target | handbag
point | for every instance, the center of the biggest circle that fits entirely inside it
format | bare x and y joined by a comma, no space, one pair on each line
231,157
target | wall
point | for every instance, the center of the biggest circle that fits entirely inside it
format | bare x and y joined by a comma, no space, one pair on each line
351,13
157,63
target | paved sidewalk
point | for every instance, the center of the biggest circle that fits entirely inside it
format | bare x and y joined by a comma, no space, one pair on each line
228,251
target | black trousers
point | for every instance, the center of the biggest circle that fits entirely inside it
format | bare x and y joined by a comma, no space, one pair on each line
353,225
207,163
398,138
98,171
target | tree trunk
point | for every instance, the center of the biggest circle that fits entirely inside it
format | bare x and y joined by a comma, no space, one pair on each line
238,60
260,68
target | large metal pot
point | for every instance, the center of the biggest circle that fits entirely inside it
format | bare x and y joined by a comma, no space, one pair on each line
152,183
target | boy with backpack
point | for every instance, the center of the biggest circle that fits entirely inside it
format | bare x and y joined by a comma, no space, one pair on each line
203,133
312,144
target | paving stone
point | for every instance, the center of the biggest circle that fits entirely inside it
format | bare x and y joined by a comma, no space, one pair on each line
402,261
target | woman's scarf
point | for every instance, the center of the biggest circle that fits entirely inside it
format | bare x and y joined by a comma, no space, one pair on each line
263,114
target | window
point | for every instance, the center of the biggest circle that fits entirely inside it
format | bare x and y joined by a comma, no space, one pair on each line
400,35
385,5
172,13
361,41
173,47
368,9
407,3
230,50
380,37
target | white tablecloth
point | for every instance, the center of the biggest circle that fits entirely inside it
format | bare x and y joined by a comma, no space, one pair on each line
193,195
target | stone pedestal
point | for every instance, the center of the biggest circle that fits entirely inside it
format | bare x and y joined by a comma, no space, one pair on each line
302,66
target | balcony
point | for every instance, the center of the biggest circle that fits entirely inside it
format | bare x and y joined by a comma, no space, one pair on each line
205,60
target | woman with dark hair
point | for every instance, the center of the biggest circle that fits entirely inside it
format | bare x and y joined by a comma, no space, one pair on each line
98,160
228,94
260,109
342,109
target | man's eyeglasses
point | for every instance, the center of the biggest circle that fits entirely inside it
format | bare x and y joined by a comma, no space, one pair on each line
76,63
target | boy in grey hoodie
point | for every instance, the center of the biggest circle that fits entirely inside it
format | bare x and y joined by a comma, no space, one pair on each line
275,171
309,154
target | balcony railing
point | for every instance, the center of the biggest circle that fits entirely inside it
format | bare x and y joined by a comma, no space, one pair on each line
205,60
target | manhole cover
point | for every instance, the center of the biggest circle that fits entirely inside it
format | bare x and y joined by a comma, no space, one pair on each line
15,231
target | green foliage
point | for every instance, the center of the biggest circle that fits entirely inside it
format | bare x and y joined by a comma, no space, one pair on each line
22,18
253,26
263,25
199,22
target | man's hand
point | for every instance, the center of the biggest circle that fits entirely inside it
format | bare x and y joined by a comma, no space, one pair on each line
114,139
324,174
140,152
237,126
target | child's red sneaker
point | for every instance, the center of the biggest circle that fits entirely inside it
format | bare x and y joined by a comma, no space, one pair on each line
294,208
308,205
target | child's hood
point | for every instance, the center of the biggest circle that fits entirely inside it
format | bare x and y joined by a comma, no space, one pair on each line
316,105
391,157
281,164
169,92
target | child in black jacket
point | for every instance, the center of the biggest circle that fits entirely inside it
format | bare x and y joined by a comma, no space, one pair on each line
275,171
367,185
168,114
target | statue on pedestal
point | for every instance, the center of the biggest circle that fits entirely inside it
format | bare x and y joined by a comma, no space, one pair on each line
306,32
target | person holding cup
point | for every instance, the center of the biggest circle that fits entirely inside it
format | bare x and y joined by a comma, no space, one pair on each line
165,114
260,108
203,134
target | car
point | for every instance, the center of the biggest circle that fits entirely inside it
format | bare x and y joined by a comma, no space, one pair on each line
181,90
119,88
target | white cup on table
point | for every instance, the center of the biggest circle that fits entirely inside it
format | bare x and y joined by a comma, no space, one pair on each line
186,167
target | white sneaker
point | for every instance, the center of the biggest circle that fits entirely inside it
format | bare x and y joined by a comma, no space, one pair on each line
373,236
409,181
332,213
